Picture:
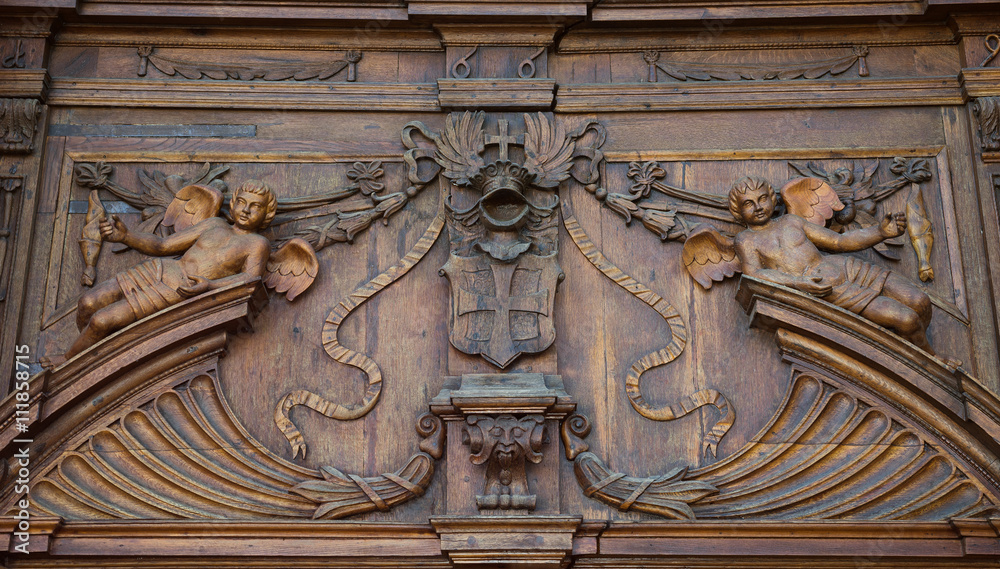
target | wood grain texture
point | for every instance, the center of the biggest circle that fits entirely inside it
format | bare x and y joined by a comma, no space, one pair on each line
838,443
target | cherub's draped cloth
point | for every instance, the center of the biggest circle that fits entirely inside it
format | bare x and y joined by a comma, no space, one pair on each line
144,290
864,283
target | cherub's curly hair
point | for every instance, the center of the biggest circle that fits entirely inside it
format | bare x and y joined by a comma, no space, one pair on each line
740,189
261,189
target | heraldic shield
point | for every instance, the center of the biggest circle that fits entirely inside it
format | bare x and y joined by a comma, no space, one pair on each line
502,310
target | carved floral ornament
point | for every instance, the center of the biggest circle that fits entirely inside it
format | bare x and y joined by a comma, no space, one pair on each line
505,187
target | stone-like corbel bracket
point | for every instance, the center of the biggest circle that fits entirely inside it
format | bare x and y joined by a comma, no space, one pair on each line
507,419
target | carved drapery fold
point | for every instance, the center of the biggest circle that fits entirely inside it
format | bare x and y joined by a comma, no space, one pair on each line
690,71
300,71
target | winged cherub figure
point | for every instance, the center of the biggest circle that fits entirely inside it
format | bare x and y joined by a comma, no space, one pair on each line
786,250
213,254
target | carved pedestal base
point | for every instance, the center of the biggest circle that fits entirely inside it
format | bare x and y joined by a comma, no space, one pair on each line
506,420
500,541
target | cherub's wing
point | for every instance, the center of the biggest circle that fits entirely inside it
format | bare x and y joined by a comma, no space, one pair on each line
811,199
191,205
292,268
709,256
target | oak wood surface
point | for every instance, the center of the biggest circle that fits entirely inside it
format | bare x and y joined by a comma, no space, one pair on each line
911,96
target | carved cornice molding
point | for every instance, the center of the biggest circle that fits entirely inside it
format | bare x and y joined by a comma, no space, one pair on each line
319,10
24,83
799,94
232,95
523,8
535,541
301,542
505,94
720,38
497,34
832,544
649,10
251,38
982,82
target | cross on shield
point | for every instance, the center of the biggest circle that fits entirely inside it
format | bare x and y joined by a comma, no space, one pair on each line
502,310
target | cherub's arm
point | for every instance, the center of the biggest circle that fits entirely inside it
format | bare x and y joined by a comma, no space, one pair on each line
750,258
891,225
253,268
116,231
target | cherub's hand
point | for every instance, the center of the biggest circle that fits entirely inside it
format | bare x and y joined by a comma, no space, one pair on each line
113,230
200,285
814,286
892,225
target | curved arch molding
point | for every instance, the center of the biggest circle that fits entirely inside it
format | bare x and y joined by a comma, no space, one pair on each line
137,429
870,429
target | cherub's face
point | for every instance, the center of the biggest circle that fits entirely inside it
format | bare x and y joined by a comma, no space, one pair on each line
757,206
249,210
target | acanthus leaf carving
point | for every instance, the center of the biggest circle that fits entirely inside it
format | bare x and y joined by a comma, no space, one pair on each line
987,110
18,124
265,72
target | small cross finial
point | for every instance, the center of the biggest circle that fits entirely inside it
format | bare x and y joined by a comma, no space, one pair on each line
503,139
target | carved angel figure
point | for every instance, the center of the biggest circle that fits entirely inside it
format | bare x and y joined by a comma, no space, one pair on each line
213,254
786,250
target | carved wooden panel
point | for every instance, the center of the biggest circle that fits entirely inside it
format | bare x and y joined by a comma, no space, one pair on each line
507,308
